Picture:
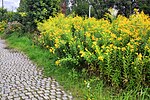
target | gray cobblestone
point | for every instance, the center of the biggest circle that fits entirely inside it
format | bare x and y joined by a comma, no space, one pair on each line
20,79
17,98
34,98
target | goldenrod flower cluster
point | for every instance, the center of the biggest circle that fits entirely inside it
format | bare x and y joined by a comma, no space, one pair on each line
114,48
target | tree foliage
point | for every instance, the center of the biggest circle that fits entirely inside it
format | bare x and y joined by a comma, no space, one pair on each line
3,14
9,15
144,5
100,7
37,10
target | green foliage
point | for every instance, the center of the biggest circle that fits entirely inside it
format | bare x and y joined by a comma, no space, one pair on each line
144,5
13,27
13,16
100,7
3,14
37,10
9,16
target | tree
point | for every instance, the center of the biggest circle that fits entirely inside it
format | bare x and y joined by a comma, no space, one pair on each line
144,5
100,7
3,14
37,10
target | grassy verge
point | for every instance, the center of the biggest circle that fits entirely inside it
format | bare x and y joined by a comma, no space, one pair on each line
81,87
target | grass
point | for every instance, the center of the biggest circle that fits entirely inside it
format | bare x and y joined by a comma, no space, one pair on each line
81,87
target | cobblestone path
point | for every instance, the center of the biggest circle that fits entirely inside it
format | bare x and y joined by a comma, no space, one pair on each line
20,79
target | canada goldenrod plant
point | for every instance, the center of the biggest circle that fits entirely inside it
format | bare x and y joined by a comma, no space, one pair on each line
118,51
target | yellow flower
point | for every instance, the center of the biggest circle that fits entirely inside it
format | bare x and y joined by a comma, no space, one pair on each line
114,47
101,58
103,46
57,62
87,34
47,46
93,37
113,35
52,50
123,48
94,43
139,56
82,53
130,46
56,45
146,47
79,46
119,39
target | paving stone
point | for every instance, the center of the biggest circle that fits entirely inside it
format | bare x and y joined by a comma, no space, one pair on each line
46,94
40,98
58,99
21,80
28,93
64,98
46,91
52,97
17,98
5,95
34,98
16,95
31,96
10,97
58,96
46,97
58,92
24,97
3,98
22,94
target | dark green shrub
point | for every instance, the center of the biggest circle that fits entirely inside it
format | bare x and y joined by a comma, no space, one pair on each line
13,27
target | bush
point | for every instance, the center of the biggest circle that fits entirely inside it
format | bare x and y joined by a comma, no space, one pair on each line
2,26
118,51
13,27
